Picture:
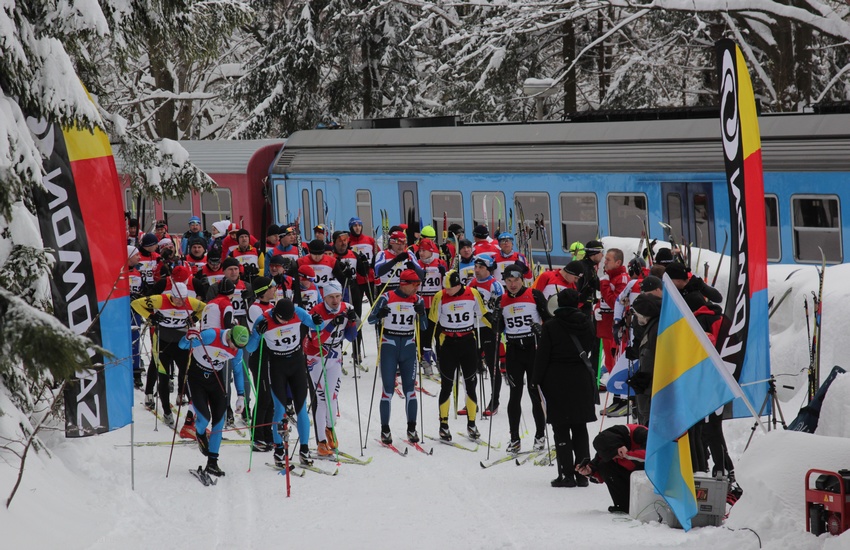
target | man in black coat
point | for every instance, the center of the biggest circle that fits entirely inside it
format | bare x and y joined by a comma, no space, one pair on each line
563,371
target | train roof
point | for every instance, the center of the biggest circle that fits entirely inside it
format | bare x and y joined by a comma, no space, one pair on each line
790,142
216,156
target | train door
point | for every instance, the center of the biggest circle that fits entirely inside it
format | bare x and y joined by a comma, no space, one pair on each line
313,205
408,198
688,208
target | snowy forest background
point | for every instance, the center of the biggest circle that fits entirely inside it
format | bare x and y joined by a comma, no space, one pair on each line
162,70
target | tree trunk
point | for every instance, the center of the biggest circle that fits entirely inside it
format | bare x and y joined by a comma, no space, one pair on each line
569,55
165,123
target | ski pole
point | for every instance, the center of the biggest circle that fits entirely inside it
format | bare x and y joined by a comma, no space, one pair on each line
256,403
421,400
357,397
177,419
496,372
374,384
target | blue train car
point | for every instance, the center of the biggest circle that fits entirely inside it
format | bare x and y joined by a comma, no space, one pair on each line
583,178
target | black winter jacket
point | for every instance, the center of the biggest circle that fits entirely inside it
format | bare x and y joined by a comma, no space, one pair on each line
568,385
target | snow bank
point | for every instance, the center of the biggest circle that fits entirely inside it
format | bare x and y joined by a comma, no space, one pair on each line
772,473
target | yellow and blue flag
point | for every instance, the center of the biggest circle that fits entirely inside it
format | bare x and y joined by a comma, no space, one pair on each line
689,383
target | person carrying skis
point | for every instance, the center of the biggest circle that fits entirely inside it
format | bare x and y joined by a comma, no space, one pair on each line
620,450
397,311
171,315
278,331
391,262
326,367
455,310
522,313
491,292
211,350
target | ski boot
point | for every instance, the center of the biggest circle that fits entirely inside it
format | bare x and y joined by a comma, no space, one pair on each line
472,431
539,443
168,420
280,456
427,368
412,436
304,456
188,429
212,466
329,435
261,447
445,432
386,435
324,449
513,447
150,402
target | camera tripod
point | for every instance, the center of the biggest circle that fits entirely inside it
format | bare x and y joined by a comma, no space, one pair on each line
774,411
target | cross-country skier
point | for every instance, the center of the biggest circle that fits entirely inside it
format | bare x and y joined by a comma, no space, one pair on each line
398,310
171,314
279,332
211,351
456,310
491,292
523,311
340,323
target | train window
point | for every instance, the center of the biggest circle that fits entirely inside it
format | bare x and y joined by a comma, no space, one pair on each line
177,213
305,209
626,213
408,204
320,207
535,205
579,219
282,211
364,211
215,206
450,202
771,216
816,223
674,216
496,208
701,220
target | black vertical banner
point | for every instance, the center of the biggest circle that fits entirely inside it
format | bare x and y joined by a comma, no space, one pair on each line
72,284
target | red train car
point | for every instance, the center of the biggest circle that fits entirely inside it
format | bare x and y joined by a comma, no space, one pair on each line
239,167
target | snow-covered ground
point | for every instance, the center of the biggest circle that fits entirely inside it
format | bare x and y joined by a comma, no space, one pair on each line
82,497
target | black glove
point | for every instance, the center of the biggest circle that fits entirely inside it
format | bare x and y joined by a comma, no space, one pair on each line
537,329
632,353
619,327
167,254
249,271
317,319
383,312
351,314
340,319
442,269
640,381
349,272
400,258
419,308
410,265
262,325
156,318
